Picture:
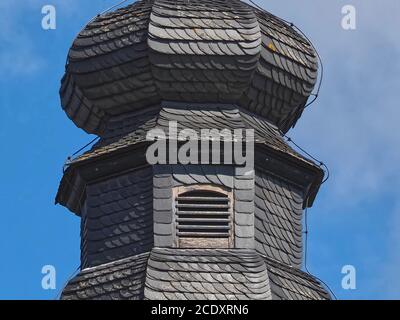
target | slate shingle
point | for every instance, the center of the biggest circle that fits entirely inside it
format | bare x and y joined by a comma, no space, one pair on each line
224,274
288,283
130,129
216,51
117,221
278,219
119,280
176,274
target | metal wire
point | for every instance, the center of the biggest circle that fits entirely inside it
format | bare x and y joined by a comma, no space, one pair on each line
316,95
112,7
306,253
97,16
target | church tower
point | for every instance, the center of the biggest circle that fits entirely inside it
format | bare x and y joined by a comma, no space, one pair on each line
189,230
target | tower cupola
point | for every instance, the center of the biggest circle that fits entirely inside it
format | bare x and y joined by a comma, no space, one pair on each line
201,223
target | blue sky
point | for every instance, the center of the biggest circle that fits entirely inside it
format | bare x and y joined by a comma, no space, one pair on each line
353,127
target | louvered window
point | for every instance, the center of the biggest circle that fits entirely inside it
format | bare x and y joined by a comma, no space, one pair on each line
204,219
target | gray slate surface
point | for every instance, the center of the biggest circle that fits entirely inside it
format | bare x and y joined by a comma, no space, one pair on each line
195,275
118,218
278,219
130,129
220,51
174,274
119,280
293,284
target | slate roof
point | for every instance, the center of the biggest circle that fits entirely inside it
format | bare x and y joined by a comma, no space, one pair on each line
289,283
130,129
122,132
127,131
178,274
119,280
278,219
219,51
117,221
175,274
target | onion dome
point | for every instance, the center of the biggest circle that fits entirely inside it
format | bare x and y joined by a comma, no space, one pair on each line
197,51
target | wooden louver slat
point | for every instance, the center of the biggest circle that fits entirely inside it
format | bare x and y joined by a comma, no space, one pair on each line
203,214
